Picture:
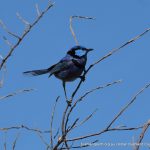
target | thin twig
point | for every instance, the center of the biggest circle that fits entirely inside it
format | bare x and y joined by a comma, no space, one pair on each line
104,131
7,42
63,120
115,118
80,146
15,93
23,127
130,102
122,46
5,146
62,138
73,125
6,29
1,57
85,94
37,10
51,123
144,129
15,141
24,34
5,141
67,113
56,133
71,28
86,119
66,144
23,20
113,51
3,76
43,140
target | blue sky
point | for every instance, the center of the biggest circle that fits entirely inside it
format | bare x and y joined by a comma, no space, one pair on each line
116,22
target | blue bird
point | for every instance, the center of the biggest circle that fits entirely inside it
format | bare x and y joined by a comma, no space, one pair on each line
68,68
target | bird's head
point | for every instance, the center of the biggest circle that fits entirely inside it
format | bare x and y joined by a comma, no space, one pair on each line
79,51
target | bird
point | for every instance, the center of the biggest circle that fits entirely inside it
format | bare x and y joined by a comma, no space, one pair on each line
69,68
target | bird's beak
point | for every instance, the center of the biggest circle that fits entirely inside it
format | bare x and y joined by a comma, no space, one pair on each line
90,49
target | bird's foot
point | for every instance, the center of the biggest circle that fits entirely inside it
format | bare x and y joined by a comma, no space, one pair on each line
69,102
82,78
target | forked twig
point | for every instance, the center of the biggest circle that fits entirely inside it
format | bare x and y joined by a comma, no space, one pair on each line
84,95
113,51
26,31
68,111
86,119
24,127
131,101
115,118
104,131
15,93
71,28
6,29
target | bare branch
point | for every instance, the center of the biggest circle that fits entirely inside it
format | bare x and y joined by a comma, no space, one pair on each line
62,138
68,111
5,146
24,127
73,125
37,10
66,144
23,20
15,93
6,29
1,57
125,108
145,128
87,118
85,94
103,131
7,42
113,51
3,76
98,88
52,119
63,121
71,28
15,141
56,133
5,142
43,140
122,46
115,118
80,146
24,34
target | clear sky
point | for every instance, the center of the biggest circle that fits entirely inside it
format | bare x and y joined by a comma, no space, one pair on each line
116,22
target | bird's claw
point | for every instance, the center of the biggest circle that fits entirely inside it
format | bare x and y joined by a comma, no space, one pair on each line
69,102
82,78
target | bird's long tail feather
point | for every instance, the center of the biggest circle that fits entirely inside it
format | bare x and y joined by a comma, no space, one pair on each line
37,72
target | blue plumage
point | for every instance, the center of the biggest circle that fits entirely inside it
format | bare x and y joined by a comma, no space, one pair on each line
68,68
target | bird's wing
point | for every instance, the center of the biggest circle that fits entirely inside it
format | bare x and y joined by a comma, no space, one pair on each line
62,65
76,63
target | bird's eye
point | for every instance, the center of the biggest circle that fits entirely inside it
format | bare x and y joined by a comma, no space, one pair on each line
80,52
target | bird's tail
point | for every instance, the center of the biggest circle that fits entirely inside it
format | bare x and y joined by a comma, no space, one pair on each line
37,72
